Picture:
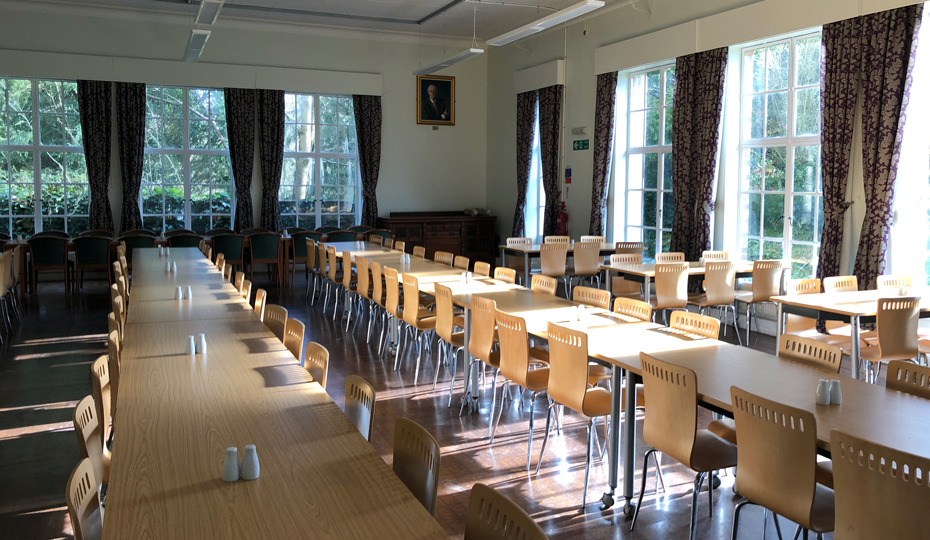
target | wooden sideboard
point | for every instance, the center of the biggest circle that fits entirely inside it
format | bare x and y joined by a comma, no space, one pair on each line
455,232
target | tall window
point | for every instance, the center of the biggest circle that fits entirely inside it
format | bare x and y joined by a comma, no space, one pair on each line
650,208
781,202
535,213
320,177
43,178
186,180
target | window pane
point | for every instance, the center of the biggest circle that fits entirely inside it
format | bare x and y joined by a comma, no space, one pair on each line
772,250
754,67
808,62
754,117
53,224
775,168
305,138
199,224
51,131
290,108
751,213
753,171
22,168
649,238
806,171
199,135
329,110
637,129
650,207
638,92
667,170
346,112
222,174
52,167
653,88
752,249
670,85
668,210
635,178
667,137
19,95
200,169
802,261
53,200
651,171
773,215
174,200
221,202
72,127
152,202
776,121
652,127
78,199
805,218
777,67
807,119
50,97
634,212
200,200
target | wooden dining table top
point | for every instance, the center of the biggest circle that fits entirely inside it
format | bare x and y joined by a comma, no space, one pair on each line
536,248
178,413
694,268
853,303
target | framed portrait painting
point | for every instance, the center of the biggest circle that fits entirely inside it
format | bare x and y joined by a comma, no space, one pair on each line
435,100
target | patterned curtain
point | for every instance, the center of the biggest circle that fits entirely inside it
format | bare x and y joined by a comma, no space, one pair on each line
96,108
889,48
130,127
240,127
839,90
368,133
526,121
603,143
698,102
550,125
271,153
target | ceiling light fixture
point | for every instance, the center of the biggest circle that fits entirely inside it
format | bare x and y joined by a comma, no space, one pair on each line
464,55
549,21
195,45
209,11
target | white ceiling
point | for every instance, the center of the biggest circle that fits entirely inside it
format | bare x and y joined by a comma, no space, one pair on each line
493,17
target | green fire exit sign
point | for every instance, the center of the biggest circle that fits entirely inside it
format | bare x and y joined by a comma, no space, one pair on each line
580,145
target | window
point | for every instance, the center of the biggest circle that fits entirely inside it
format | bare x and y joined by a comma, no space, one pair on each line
780,201
43,178
320,176
535,213
650,208
186,179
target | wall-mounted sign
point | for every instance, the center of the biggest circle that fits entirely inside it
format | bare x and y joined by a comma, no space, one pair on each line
580,145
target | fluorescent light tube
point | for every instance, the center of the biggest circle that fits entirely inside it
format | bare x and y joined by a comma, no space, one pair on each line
464,55
195,45
209,11
549,21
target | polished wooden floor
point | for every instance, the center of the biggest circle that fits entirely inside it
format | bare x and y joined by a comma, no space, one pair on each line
45,371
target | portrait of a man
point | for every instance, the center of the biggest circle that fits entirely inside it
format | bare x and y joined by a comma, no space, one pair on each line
436,100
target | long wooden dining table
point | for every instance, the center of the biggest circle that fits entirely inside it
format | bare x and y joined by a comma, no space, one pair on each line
178,413
530,252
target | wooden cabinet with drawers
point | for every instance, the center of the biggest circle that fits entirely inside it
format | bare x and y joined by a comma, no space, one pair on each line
455,232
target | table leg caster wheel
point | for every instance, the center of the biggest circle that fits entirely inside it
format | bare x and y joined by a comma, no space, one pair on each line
629,509
716,481
607,500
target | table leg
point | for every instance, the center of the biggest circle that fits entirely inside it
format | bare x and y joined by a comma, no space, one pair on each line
526,270
854,345
470,376
503,257
647,285
779,328
629,442
613,441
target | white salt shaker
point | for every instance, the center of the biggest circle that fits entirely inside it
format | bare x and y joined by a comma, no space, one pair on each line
836,395
231,464
823,392
188,295
202,344
167,267
19,239
191,348
178,295
167,250
250,468
174,267
161,251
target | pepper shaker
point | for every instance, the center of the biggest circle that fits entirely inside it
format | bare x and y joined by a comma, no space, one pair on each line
250,469
231,464
823,392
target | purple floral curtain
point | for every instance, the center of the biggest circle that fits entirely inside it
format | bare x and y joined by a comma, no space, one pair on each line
130,127
603,143
96,110
368,133
271,153
698,109
839,88
240,127
526,121
550,125
889,48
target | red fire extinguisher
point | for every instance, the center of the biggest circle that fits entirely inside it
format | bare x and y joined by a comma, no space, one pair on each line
562,221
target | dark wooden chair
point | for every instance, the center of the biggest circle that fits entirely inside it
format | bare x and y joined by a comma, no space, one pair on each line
49,254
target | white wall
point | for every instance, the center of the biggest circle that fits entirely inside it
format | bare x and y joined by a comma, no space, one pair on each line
421,168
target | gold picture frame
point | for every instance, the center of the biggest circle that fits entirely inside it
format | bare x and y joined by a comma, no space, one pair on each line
440,110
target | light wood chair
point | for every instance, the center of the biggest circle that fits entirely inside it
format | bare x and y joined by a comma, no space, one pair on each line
316,362
113,325
100,381
246,290
908,377
507,275
388,243
896,325
719,291
492,516
521,366
89,430
221,266
420,321
392,307
671,286
116,304
363,288
482,269
620,286
518,263
592,238
543,284
461,262
124,266
715,256
310,268
419,251
766,283
400,246
376,239
557,240
294,338
452,342
894,481
237,283
635,309
670,427
227,272
552,260
586,265
83,499
590,296
260,298
634,248
113,364
834,285
892,282
275,319
670,257
568,386
378,302
444,257
208,252
319,271
333,279
360,404
349,288
797,324
695,323
777,462
481,346
416,461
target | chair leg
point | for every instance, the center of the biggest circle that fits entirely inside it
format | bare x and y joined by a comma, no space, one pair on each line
493,401
587,464
542,451
736,326
698,481
455,361
529,444
500,411
739,508
642,488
